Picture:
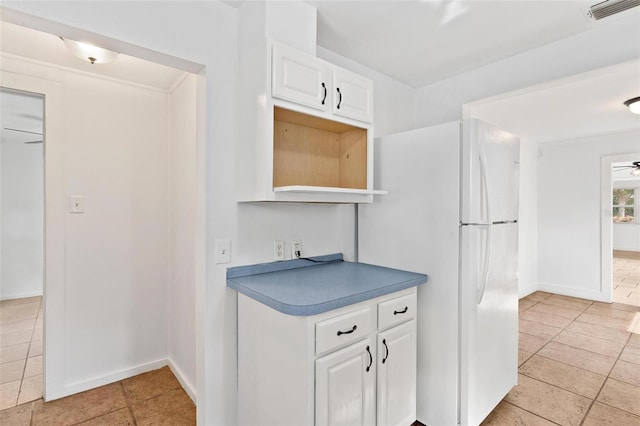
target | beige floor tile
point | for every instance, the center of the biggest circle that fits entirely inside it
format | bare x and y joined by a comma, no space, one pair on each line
14,353
537,296
524,304
631,354
17,416
11,371
20,325
564,376
149,385
627,283
561,311
626,372
549,402
508,414
121,417
15,338
31,389
617,323
568,301
523,356
612,313
173,408
617,306
580,358
38,333
590,343
603,415
36,348
537,329
634,340
545,318
531,343
606,333
19,312
34,366
20,301
621,395
9,394
80,407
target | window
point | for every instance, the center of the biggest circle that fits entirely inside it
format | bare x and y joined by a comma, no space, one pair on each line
624,205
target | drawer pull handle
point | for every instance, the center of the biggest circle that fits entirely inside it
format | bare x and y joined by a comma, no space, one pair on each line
404,311
339,97
386,350
325,93
340,333
370,359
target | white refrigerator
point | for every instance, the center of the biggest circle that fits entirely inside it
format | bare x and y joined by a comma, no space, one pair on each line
452,213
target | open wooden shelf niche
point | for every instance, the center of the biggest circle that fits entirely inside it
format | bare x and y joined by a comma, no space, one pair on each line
312,151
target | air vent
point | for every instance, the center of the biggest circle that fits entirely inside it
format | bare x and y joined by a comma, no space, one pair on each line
611,7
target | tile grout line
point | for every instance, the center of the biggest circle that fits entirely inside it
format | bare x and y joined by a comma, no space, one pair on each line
126,400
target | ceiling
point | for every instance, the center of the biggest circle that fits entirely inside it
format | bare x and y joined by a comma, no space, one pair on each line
22,115
44,47
420,42
583,105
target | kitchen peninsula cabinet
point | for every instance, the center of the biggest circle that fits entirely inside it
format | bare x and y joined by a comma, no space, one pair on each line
322,358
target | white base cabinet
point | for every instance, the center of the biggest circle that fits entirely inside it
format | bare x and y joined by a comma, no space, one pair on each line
352,366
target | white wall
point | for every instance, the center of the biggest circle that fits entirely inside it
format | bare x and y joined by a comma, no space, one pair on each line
528,219
21,215
569,212
181,289
114,153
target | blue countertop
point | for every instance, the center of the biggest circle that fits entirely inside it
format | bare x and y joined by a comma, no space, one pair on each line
315,285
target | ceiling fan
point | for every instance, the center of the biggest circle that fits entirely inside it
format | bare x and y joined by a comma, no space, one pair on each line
635,166
26,131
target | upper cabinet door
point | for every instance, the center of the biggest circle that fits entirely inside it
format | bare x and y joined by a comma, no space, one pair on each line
352,96
300,78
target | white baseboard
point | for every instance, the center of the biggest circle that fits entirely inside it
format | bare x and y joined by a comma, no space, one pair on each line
74,388
186,385
21,295
573,292
522,292
627,248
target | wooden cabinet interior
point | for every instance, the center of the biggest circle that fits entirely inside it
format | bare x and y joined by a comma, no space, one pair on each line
313,151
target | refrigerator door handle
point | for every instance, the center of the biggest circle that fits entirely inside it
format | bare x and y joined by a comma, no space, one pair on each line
485,264
482,156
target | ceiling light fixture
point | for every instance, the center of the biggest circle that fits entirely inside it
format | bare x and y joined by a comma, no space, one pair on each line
88,52
633,104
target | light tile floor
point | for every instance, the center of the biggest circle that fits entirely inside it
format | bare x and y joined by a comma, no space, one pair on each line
20,351
153,398
626,280
579,365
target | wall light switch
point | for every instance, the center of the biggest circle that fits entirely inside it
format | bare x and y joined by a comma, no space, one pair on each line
223,250
76,204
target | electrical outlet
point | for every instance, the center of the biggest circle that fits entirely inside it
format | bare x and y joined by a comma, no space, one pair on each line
223,250
278,250
296,249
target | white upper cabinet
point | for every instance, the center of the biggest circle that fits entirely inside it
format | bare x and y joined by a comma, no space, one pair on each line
352,95
300,78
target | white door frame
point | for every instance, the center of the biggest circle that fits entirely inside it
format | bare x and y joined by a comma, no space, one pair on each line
606,226
54,215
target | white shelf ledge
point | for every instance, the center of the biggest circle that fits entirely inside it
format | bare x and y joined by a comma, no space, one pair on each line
328,190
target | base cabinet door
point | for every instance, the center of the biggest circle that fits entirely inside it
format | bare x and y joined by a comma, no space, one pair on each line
346,386
397,375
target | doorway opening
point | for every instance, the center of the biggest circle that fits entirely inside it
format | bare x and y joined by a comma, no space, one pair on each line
21,245
625,231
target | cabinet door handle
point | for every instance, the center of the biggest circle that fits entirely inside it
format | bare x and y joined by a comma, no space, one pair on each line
386,350
339,97
325,93
404,311
370,359
340,333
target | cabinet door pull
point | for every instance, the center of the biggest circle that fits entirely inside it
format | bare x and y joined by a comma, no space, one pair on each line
339,97
370,359
386,349
340,333
325,93
404,311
